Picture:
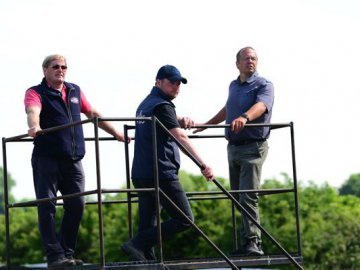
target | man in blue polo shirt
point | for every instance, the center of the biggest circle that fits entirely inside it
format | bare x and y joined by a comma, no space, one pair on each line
250,100
159,103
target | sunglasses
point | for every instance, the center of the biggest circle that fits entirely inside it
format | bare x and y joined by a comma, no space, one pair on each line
56,67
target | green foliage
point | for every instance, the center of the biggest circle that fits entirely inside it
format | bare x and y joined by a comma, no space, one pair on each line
329,223
2,239
351,186
115,224
10,185
330,228
277,212
211,216
25,245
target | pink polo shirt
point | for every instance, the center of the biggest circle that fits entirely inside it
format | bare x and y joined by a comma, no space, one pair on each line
32,98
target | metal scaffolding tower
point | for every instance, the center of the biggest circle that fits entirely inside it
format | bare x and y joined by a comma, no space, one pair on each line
224,260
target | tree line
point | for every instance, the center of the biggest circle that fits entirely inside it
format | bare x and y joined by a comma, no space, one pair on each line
329,225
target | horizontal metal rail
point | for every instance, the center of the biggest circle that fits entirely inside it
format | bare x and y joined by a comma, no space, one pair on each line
89,120
272,126
192,196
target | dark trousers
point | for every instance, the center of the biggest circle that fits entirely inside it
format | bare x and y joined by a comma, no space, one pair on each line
50,176
147,232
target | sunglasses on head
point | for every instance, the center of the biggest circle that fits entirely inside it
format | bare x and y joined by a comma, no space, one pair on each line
59,66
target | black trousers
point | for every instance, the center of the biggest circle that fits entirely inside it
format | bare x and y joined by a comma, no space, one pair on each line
53,174
147,232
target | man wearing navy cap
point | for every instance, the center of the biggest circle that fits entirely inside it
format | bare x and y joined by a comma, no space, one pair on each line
159,103
250,100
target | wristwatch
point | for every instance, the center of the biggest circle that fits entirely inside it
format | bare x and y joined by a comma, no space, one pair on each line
245,116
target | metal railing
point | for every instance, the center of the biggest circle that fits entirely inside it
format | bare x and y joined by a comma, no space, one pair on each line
222,194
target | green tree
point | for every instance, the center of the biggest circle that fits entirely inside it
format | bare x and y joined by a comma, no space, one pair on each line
330,230
351,186
329,225
277,213
10,184
115,224
213,217
25,245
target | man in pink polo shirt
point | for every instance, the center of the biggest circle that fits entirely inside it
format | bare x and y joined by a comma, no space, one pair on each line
56,157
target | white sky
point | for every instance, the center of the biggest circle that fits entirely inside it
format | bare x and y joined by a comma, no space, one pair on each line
309,49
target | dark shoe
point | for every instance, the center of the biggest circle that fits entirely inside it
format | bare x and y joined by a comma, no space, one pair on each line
60,263
134,253
253,248
150,255
77,261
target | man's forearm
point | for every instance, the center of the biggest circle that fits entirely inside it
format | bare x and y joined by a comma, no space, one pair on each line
218,118
33,118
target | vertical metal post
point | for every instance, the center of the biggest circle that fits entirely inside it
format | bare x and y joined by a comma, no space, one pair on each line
128,194
156,181
99,193
295,189
233,216
6,203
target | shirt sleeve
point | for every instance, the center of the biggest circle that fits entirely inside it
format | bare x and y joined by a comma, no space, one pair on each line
167,116
266,95
85,106
32,98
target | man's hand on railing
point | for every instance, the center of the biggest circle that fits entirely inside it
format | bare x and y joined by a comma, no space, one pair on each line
121,137
238,124
198,129
186,122
207,172
32,131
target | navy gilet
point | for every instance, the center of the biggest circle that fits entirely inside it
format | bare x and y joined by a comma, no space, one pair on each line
167,150
67,142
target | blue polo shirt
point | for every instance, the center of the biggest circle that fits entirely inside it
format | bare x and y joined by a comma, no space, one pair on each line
242,96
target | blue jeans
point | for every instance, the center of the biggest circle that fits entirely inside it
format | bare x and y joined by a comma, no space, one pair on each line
245,164
50,176
146,237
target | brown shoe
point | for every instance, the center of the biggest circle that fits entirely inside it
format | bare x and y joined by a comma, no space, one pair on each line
60,263
253,249
77,261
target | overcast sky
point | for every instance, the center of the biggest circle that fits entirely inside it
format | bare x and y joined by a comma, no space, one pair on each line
309,49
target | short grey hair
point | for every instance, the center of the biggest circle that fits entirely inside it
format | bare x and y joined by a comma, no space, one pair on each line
238,55
50,58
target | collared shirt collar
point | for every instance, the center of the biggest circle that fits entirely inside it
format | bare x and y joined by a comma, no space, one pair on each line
250,79
45,82
158,92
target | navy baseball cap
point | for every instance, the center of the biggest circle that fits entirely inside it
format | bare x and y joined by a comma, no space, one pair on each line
171,73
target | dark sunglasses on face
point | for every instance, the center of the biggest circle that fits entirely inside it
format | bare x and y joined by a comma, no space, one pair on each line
56,67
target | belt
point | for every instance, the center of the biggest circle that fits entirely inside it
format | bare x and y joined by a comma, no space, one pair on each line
244,142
